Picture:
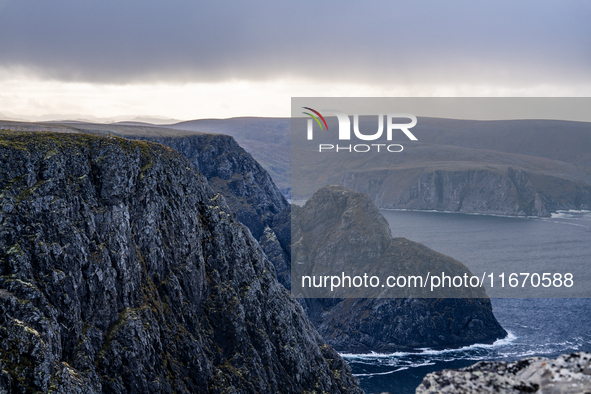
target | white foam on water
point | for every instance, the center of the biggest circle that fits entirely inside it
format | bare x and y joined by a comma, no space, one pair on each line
373,355
380,373
560,215
412,365
570,214
428,351
458,213
498,343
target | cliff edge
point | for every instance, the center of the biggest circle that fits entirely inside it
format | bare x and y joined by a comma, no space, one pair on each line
122,271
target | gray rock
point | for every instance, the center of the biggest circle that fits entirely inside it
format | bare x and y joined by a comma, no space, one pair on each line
247,187
503,191
266,139
569,373
340,228
511,168
231,171
121,271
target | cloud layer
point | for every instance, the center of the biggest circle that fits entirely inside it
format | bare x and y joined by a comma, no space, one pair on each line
391,42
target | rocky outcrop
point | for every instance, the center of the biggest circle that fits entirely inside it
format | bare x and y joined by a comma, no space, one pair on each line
266,139
247,187
122,271
403,324
231,171
341,229
569,373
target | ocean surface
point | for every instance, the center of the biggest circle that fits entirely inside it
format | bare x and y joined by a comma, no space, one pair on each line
537,326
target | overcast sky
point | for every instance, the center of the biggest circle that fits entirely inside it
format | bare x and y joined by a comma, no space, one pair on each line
197,59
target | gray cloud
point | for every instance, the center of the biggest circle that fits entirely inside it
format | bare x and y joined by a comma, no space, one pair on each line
412,42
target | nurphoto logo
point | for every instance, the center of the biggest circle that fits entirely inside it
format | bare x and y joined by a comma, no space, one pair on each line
345,130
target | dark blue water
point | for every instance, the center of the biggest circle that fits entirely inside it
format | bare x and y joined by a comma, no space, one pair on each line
537,326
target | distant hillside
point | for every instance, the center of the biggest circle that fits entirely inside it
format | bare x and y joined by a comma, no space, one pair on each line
552,139
517,167
118,130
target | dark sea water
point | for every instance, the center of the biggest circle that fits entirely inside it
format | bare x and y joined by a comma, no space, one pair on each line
536,326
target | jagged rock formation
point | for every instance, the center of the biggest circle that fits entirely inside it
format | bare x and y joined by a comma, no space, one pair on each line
339,228
247,187
231,171
266,139
249,191
513,167
122,271
568,374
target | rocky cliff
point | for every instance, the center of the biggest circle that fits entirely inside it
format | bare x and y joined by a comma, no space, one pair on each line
340,229
250,192
247,187
229,169
122,271
504,191
266,139
567,374
513,168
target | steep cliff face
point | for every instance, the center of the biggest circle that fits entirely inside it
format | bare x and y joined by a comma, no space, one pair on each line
503,191
122,271
512,168
266,139
247,187
340,229
231,171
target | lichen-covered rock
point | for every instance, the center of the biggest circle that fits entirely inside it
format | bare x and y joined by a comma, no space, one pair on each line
247,187
568,374
121,271
231,171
